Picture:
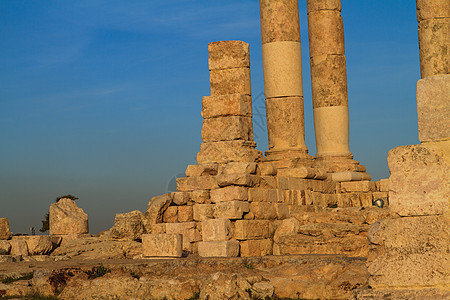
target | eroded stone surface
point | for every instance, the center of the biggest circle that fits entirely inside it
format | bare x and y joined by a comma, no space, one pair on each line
65,217
4,229
129,226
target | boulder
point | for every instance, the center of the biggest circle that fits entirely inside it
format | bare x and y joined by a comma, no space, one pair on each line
129,226
65,217
4,229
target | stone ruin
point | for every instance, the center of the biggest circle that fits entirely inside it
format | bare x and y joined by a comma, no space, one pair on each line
237,202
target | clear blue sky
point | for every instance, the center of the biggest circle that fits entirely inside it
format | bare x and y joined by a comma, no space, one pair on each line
102,99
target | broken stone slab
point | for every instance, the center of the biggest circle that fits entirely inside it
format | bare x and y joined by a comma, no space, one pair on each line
227,129
180,198
216,230
4,229
18,247
202,169
128,226
65,217
231,209
200,196
189,231
420,179
156,208
228,54
238,179
162,245
433,108
171,215
251,229
218,249
227,105
36,244
239,168
229,193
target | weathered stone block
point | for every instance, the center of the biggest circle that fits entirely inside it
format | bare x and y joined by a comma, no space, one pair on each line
240,168
230,81
231,209
251,229
228,54
18,247
180,198
381,195
188,230
218,249
383,185
216,230
156,208
433,108
282,210
267,182
433,46
227,105
203,211
348,200
366,199
263,210
65,217
162,245
128,226
262,195
202,169
251,248
171,215
36,244
420,179
200,196
358,186
185,214
238,179
227,129
5,247
4,229
267,169
227,151
323,5
158,228
185,184
229,193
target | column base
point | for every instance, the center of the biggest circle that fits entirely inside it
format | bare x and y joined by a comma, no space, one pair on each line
289,158
341,163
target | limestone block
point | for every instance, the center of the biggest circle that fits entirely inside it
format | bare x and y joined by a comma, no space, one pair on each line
158,228
414,252
420,179
229,193
162,245
188,230
432,9
381,195
349,176
185,184
383,185
348,200
433,109
156,208
227,129
202,169
216,230
279,21
366,199
18,247
238,180
228,54
252,248
282,69
326,33
171,215
263,210
240,168
200,196
282,210
287,227
231,209
203,211
36,244
218,249
358,186
433,47
227,105
128,226
267,169
65,217
304,172
251,229
185,214
227,151
5,247
285,123
4,229
329,84
262,195
230,81
315,5
267,182
181,198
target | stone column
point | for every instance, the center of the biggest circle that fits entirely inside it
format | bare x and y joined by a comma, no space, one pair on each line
280,32
329,86
434,36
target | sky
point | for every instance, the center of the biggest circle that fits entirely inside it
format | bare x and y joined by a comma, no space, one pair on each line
102,99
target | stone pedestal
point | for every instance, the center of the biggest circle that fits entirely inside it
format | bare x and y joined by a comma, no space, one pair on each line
281,49
434,38
329,87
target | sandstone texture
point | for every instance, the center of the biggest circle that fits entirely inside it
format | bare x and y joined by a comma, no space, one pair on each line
129,226
169,245
279,21
67,218
4,229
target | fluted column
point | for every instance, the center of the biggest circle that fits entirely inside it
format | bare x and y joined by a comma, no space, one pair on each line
281,49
